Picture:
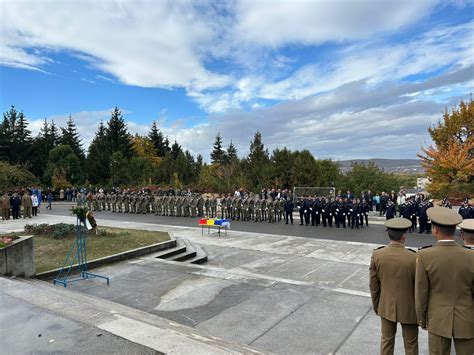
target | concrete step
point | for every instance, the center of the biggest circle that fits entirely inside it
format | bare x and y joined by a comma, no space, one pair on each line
185,251
168,253
189,253
183,256
201,255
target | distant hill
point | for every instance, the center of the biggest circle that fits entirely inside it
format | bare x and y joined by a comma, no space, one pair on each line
406,166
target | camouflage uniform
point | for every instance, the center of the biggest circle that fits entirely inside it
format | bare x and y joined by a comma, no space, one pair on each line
207,206
213,204
200,205
264,209
126,202
258,210
251,214
271,210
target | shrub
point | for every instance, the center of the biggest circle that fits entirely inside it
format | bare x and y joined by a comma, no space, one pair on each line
57,231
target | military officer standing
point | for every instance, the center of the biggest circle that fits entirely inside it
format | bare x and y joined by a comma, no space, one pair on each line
466,210
467,233
392,284
444,287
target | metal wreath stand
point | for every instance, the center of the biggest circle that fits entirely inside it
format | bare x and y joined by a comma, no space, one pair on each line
77,257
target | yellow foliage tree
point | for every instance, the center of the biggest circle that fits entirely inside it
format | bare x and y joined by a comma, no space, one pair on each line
144,148
450,162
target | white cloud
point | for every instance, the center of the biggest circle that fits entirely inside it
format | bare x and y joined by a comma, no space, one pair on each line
142,43
86,122
228,57
313,22
171,44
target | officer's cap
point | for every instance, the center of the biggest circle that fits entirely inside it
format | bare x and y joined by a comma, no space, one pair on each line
398,223
468,225
443,216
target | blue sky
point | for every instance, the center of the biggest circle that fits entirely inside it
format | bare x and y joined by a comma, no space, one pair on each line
345,79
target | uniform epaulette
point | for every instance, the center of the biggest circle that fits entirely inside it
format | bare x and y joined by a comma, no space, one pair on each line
410,249
424,247
470,247
383,246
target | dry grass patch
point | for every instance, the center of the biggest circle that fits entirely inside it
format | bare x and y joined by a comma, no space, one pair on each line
51,251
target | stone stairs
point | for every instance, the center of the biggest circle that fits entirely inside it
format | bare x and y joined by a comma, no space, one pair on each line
184,251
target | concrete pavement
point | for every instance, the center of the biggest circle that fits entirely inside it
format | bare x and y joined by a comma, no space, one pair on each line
273,293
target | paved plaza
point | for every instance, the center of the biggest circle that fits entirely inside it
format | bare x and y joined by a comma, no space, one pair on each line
258,292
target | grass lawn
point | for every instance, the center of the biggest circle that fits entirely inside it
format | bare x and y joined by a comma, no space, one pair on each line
51,252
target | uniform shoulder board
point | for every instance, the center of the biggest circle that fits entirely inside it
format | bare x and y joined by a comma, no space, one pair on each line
410,249
470,247
424,247
383,246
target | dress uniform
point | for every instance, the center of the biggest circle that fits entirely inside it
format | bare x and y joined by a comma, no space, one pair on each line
392,284
444,288
289,206
390,211
466,210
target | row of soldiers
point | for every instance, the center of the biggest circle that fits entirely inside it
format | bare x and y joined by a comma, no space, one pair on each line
246,207
143,202
340,211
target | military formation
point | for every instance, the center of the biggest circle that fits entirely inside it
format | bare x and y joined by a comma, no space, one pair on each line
241,206
340,212
432,288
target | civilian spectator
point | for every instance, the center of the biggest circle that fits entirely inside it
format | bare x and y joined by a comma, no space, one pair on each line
34,204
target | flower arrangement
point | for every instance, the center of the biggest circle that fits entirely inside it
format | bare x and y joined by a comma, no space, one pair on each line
80,212
7,240
90,220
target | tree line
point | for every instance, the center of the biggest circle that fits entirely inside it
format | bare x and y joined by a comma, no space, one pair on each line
116,158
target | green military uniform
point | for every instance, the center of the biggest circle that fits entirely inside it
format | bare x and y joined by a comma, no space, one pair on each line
271,210
392,283
213,207
207,206
444,289
251,214
200,206
107,200
27,205
229,207
5,202
119,202
258,210
223,204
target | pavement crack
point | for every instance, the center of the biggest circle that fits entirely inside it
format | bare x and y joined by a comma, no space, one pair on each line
352,331
279,321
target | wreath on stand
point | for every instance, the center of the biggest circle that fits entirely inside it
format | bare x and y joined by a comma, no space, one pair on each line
85,216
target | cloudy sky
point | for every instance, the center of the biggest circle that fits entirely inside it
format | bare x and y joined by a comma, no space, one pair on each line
343,78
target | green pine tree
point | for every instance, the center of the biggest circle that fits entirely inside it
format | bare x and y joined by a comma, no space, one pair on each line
258,163
98,157
117,135
71,137
156,137
231,155
218,155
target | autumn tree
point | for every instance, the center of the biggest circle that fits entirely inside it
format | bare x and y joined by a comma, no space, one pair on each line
450,161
